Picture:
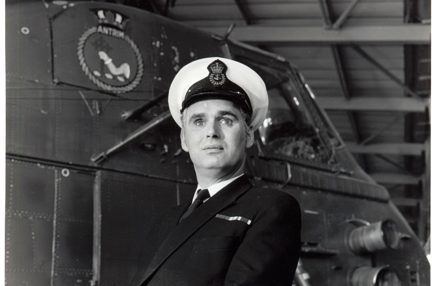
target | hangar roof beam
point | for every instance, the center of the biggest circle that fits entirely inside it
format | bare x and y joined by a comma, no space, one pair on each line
390,178
401,104
325,11
379,34
413,149
345,14
244,11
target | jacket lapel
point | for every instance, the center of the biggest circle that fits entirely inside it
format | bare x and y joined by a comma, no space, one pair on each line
200,216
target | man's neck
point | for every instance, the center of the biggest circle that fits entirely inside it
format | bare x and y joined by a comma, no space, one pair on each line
208,177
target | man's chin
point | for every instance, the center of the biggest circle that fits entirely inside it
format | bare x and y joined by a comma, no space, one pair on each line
210,158
212,164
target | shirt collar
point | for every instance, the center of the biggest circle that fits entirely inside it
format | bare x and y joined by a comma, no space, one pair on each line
215,188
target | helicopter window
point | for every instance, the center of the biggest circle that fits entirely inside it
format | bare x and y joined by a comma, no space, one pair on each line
289,129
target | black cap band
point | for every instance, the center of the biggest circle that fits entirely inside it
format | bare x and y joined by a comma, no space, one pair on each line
217,86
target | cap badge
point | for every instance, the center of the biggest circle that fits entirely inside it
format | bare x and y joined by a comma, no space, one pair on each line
217,76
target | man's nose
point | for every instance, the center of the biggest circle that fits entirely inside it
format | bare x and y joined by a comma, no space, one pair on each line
213,129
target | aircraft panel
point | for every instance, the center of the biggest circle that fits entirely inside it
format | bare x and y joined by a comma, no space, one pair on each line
26,278
74,220
72,277
28,43
33,196
28,245
34,118
49,223
75,196
73,246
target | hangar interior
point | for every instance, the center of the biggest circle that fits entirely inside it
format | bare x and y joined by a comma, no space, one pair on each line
94,161
368,63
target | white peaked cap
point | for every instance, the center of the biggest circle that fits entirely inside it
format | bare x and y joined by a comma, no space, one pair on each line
236,82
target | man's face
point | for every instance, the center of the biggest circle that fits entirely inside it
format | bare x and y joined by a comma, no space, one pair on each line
215,135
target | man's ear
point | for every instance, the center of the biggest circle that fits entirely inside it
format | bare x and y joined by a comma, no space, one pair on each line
183,141
249,137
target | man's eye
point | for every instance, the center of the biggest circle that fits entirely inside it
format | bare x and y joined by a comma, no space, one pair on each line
226,121
198,122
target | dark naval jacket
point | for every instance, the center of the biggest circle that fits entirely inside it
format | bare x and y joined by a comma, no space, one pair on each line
243,235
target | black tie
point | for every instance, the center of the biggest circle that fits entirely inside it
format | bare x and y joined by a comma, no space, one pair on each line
202,195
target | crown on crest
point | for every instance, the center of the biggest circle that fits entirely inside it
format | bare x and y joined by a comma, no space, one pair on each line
217,67
111,18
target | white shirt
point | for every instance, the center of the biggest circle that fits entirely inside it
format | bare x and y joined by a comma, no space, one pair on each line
213,189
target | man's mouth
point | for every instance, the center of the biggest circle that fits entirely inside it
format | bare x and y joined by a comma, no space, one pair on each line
213,147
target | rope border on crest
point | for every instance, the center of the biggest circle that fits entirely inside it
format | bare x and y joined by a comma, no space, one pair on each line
94,79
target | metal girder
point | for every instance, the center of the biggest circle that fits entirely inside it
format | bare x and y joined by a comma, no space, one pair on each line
344,16
327,15
390,178
414,149
244,11
402,104
404,33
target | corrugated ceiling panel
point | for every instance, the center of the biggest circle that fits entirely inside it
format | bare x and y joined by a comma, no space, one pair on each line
312,10
380,91
283,10
374,74
360,92
319,22
318,66
330,74
320,92
289,22
388,56
307,57
204,12
389,126
366,84
376,164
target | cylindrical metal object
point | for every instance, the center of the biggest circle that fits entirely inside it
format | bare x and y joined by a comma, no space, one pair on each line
374,276
373,237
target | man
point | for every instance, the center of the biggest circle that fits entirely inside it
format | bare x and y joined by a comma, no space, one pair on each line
232,233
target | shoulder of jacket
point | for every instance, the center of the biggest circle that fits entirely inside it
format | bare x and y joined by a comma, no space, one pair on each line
273,195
